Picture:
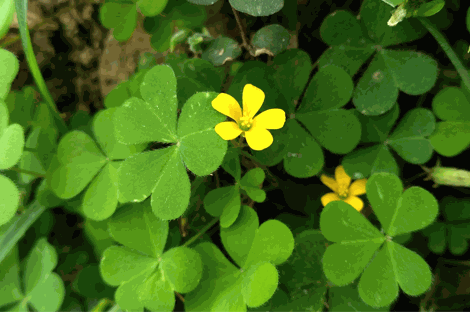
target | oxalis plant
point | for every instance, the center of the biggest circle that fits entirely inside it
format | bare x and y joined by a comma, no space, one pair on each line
170,176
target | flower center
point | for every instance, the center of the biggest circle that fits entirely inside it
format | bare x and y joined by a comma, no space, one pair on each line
245,122
343,193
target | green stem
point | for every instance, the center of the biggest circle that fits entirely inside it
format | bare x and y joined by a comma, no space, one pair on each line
448,50
14,230
38,175
102,304
204,230
21,9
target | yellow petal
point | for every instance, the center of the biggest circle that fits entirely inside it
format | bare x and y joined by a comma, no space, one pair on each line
253,98
271,119
358,187
355,201
228,130
330,182
225,103
329,197
258,138
342,178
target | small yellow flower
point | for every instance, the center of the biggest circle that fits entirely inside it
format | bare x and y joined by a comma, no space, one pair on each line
254,129
342,190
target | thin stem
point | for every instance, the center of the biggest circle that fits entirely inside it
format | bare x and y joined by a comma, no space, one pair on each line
448,50
244,40
204,230
21,9
37,175
102,304
179,296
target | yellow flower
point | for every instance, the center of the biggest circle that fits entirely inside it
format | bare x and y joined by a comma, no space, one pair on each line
254,129
342,190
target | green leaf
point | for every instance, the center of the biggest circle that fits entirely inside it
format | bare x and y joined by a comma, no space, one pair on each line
258,8
128,294
203,72
122,17
138,174
97,233
254,177
156,293
450,137
101,197
273,242
9,199
271,39
383,192
49,295
10,67
40,262
79,161
375,14
232,209
339,130
121,264
225,202
346,298
330,88
4,117
118,95
171,194
231,162
376,128
415,204
343,263
366,161
10,289
153,119
412,272
238,237
413,72
151,8
22,105
376,91
276,152
90,284
291,72
208,295
339,27
221,50
451,104
7,9
137,227
304,155
261,76
303,272
11,146
103,128
259,284
183,268
201,148
338,222
430,8
378,286
408,139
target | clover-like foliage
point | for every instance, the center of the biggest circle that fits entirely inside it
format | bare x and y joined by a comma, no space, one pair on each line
162,172
359,247
225,202
43,289
146,273
256,251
